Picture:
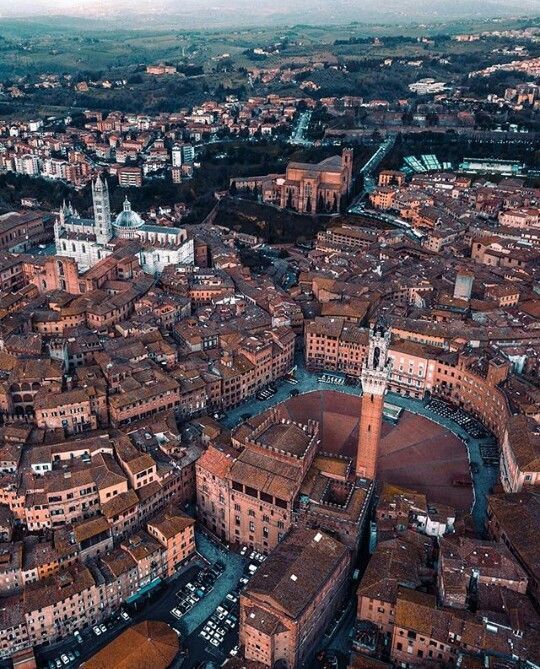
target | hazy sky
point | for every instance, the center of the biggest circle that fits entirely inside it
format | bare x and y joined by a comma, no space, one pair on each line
262,10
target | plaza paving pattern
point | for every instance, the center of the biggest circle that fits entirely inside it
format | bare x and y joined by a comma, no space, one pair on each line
425,451
416,453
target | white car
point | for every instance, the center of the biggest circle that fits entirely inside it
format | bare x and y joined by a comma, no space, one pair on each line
243,551
234,651
214,642
97,630
176,613
103,628
124,616
64,658
204,635
231,598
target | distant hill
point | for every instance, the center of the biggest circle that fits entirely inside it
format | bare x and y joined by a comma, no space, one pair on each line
194,14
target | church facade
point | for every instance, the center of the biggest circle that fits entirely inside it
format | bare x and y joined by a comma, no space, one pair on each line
87,241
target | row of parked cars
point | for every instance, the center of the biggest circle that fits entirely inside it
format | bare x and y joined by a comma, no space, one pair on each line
462,418
267,392
195,590
330,378
223,621
64,660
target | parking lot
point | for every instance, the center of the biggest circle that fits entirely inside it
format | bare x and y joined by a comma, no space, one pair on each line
210,625
202,598
473,427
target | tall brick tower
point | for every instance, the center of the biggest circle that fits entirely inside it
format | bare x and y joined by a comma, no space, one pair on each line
346,170
374,381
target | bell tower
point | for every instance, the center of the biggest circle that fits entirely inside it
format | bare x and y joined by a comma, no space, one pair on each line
102,210
374,376
346,169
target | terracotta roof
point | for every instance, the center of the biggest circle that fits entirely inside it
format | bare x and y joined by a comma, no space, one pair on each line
120,503
147,644
287,577
170,524
90,528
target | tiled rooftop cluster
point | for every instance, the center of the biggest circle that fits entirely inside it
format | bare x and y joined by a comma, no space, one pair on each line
110,378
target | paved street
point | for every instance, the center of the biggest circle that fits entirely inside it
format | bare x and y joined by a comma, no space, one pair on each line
298,133
368,171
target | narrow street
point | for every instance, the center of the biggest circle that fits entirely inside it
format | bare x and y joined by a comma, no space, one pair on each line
368,170
299,132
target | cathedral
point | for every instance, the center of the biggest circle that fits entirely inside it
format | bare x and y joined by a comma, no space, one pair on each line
90,240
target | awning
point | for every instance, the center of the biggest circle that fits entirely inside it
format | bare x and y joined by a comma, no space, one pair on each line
145,589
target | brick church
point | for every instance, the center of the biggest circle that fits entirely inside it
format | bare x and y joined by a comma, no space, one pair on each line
307,188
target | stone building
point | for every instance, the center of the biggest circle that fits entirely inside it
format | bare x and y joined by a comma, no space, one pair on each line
305,187
288,604
90,240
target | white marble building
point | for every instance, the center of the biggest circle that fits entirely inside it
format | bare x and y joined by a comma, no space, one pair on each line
90,240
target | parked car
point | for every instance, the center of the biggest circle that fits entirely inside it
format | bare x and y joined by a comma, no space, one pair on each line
97,630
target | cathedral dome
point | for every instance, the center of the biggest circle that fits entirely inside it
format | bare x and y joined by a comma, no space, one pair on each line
128,218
